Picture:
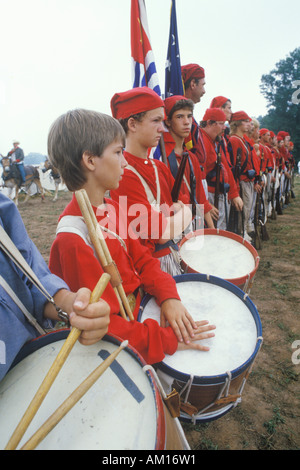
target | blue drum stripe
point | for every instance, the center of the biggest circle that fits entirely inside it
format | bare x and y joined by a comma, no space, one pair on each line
123,377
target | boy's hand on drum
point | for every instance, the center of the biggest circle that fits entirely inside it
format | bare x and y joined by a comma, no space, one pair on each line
203,332
92,319
176,315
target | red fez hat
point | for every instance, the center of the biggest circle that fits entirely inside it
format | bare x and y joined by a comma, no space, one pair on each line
171,101
263,131
218,102
192,71
214,114
283,134
272,134
240,116
135,101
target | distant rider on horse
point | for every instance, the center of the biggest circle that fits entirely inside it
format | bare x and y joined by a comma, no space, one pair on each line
17,158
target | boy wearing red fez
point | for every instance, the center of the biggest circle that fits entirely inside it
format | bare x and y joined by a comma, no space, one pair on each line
268,167
149,182
193,77
277,172
283,174
179,111
239,126
87,149
224,104
252,137
265,140
285,150
213,125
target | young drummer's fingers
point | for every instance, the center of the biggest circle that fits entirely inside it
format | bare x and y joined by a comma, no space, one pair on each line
89,324
95,310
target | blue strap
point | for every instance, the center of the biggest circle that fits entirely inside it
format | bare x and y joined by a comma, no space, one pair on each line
123,377
173,164
171,243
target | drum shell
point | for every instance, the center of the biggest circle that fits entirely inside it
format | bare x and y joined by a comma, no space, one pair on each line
201,396
244,282
167,434
218,393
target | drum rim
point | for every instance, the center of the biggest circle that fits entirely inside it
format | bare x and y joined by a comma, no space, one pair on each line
220,378
57,335
233,236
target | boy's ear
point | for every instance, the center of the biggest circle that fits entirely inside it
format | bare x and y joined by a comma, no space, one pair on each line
131,124
88,160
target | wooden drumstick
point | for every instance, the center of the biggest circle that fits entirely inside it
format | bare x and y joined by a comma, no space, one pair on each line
66,406
53,372
90,223
101,247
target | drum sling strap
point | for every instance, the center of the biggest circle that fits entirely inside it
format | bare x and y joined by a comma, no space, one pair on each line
9,248
246,147
224,187
191,186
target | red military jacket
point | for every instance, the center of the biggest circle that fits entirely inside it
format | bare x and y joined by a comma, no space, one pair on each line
226,176
153,223
199,193
73,260
248,162
195,144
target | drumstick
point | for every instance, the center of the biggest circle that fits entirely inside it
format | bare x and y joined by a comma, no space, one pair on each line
53,372
106,251
101,246
66,406
91,223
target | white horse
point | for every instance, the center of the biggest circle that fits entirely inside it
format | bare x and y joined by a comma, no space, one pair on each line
54,174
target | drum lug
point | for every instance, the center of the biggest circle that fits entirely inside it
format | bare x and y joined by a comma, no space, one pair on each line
172,401
229,399
189,409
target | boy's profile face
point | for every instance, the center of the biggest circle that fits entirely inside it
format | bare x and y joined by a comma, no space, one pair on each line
150,129
227,110
110,165
244,125
180,123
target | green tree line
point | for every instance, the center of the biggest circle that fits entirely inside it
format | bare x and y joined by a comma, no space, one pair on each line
281,88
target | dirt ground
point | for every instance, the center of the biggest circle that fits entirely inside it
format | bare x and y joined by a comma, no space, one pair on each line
268,418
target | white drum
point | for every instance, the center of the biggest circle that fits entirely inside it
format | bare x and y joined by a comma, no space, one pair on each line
211,383
122,410
222,254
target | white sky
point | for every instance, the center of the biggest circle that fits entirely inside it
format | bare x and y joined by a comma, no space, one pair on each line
58,55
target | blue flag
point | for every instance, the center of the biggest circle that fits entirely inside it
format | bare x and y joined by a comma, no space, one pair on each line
173,79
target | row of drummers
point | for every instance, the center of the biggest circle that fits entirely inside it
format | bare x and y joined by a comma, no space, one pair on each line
234,174
263,168
247,172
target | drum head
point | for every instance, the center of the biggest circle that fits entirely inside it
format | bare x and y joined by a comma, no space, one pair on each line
237,328
120,411
219,253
